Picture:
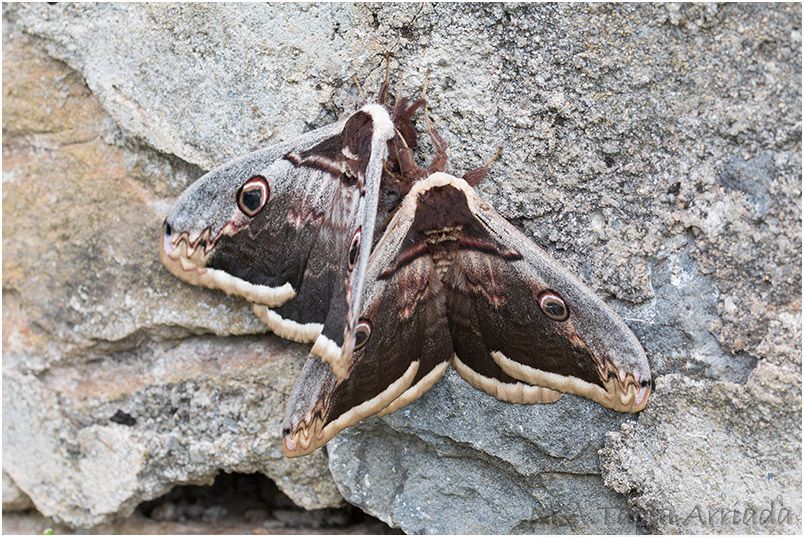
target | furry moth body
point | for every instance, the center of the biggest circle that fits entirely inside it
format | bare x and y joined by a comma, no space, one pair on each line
452,282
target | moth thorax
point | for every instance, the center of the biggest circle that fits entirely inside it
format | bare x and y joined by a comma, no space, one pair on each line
445,234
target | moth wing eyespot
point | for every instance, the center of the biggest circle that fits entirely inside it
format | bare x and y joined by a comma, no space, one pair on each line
362,333
354,249
553,306
253,195
251,199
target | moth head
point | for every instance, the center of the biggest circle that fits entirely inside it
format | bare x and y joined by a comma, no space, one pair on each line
209,237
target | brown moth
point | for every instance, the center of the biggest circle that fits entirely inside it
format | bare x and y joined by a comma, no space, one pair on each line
452,282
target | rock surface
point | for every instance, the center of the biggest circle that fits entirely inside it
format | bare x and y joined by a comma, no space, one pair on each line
13,498
112,394
713,457
653,149
448,471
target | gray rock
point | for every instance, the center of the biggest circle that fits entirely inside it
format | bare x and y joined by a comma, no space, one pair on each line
227,66
13,498
111,394
62,446
686,470
437,466
754,178
653,149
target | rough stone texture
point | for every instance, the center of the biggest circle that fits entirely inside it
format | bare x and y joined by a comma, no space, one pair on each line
111,395
241,504
439,466
654,149
13,498
713,457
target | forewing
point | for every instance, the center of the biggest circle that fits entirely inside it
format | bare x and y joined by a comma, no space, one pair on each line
514,311
211,239
352,235
292,256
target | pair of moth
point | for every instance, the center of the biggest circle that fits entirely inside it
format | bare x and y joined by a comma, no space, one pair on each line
394,272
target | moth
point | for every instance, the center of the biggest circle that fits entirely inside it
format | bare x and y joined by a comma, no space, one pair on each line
449,282
452,282
290,227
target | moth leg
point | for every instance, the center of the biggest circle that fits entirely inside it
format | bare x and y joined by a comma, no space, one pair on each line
387,67
476,176
406,160
360,90
402,115
403,147
382,95
439,162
